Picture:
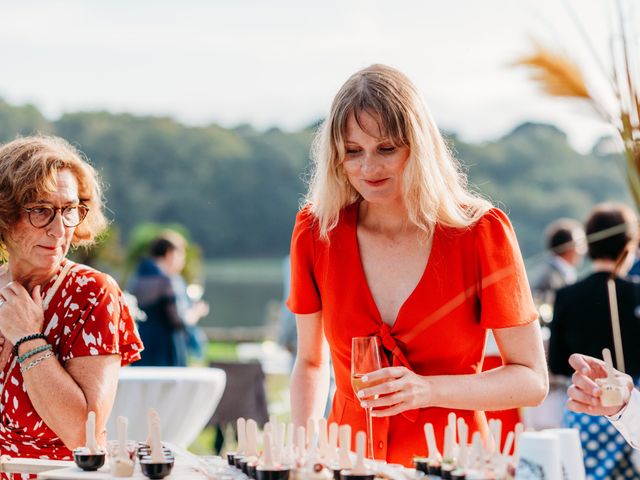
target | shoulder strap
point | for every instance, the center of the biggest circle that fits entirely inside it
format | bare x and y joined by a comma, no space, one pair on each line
52,291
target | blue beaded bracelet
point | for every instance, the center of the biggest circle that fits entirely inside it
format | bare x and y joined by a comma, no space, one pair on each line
33,352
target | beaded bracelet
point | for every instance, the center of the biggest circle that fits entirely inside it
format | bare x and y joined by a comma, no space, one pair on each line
26,339
33,352
35,362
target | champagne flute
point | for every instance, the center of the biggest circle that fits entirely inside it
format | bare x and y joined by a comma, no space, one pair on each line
366,356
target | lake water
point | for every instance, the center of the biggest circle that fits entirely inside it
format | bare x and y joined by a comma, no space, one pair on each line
241,293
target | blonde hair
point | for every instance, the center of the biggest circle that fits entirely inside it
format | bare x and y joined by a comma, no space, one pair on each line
28,167
435,189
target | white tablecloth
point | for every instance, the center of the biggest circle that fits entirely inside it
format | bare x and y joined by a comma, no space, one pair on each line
185,398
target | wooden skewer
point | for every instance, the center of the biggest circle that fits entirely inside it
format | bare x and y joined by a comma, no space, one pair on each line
447,451
242,434
452,426
333,442
608,361
463,437
252,438
122,424
344,433
300,441
267,453
359,467
516,441
434,453
508,443
311,429
90,435
323,438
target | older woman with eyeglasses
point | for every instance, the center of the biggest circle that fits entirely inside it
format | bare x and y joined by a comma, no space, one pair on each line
64,327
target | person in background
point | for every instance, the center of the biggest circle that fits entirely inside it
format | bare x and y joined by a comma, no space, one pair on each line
162,296
391,242
566,246
582,324
65,329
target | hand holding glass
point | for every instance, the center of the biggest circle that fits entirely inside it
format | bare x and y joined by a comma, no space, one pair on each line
366,356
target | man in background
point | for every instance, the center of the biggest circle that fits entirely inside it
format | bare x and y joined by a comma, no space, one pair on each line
566,245
162,294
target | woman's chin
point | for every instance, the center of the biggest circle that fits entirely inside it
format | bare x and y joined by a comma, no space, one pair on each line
49,263
381,198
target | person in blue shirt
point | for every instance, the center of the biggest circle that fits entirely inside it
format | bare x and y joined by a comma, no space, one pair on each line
161,294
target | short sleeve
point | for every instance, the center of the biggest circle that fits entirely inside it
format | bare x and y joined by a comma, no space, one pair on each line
304,296
505,296
105,325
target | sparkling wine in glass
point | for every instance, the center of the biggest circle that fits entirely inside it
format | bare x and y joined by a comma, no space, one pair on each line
366,356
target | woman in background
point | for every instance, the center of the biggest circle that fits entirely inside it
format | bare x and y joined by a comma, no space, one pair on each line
582,324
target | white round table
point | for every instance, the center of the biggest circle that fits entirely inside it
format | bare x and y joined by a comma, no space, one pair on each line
185,398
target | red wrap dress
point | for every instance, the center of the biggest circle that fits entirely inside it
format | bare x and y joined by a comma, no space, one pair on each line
474,281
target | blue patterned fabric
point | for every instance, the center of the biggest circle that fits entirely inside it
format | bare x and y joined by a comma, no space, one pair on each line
607,456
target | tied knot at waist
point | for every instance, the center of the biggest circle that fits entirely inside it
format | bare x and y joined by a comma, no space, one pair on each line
389,343
398,359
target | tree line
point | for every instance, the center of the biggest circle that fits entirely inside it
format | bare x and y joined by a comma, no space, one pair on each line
236,190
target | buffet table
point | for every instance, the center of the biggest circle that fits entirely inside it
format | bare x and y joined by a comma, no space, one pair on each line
185,398
182,472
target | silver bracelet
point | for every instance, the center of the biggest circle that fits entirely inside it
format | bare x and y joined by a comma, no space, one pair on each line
37,361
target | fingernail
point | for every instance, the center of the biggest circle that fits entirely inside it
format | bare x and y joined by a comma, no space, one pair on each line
363,404
365,379
360,394
595,390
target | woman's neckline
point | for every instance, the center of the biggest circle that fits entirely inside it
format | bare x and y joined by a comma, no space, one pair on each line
361,272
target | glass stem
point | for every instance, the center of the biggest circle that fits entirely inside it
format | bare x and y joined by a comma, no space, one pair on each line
369,434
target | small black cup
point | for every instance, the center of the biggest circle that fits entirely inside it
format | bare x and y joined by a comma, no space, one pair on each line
272,474
156,470
446,470
458,475
421,464
434,470
347,475
89,462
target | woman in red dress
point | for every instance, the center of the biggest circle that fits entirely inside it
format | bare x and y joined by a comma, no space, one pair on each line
65,327
392,243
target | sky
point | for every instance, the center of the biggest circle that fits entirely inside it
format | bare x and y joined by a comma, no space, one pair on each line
279,62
